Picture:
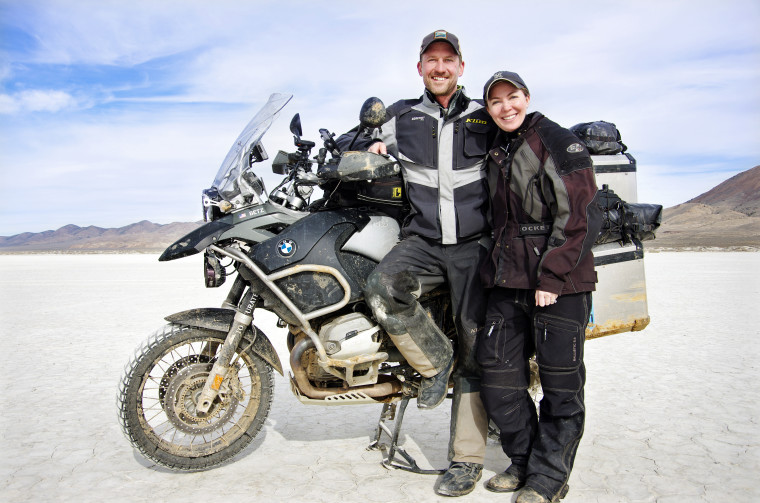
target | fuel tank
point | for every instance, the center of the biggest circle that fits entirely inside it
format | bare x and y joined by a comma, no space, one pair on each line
350,240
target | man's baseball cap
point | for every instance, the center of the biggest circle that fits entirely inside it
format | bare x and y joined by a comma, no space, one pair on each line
440,36
505,76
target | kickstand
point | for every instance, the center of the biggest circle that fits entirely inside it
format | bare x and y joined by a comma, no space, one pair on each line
389,461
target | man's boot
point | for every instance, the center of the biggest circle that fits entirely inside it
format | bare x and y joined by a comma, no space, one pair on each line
460,479
433,390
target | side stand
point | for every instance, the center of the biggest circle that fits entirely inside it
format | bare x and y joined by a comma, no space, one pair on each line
390,451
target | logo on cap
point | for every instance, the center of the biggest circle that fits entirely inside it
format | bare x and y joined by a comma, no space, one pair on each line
286,247
440,34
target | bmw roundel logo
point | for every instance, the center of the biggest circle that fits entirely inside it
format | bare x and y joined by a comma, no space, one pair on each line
286,247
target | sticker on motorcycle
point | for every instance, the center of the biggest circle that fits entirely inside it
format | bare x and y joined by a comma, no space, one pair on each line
286,247
250,213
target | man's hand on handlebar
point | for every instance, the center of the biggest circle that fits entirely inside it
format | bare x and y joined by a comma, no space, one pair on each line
378,148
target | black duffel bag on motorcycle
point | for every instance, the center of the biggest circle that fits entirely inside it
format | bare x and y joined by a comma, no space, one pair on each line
600,137
381,194
625,222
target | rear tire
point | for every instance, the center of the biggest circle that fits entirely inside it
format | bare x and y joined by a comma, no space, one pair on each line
160,387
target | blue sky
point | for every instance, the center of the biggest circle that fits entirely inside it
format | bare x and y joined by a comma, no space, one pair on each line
112,112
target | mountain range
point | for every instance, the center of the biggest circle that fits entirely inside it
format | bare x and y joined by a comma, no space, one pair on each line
143,237
725,217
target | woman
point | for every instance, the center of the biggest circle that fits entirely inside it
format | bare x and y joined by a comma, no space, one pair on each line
540,274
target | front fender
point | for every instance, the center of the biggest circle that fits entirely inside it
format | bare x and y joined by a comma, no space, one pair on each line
220,320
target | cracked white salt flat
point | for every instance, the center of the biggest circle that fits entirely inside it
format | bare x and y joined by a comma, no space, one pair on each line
672,411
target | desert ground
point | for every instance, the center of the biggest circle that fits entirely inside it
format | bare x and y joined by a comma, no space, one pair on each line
672,410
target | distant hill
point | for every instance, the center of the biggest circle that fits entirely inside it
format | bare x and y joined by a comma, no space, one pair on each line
142,236
739,193
726,216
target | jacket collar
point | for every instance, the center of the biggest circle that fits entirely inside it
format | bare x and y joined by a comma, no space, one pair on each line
457,104
504,139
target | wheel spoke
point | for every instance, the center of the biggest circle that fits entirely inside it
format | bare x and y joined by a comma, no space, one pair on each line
170,428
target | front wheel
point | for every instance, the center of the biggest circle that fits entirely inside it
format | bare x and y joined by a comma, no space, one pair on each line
160,388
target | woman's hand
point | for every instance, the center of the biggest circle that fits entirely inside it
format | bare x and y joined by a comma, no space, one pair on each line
544,299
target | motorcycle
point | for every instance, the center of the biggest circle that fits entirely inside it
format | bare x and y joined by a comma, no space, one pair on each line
198,391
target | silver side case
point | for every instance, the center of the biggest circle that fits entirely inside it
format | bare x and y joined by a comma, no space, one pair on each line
620,299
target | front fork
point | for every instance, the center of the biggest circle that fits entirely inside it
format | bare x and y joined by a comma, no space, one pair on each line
243,319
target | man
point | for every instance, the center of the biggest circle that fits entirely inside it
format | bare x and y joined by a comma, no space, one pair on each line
441,140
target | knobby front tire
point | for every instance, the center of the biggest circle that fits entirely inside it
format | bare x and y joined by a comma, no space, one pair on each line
161,385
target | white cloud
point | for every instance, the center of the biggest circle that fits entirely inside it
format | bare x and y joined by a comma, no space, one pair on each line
8,105
36,101
115,32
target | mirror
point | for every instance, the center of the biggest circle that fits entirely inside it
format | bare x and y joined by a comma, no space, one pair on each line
295,125
372,114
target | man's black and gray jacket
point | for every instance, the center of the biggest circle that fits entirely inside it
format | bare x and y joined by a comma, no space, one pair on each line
442,154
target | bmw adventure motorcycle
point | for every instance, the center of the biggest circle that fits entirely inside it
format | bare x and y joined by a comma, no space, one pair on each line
199,390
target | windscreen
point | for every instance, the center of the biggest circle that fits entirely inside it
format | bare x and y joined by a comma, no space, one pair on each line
236,159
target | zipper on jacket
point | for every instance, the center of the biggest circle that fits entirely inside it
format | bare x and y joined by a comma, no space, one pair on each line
501,242
490,331
530,193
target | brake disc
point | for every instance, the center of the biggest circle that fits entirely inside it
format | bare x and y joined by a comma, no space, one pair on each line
181,399
175,367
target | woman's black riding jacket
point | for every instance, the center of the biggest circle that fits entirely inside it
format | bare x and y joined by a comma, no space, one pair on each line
542,183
